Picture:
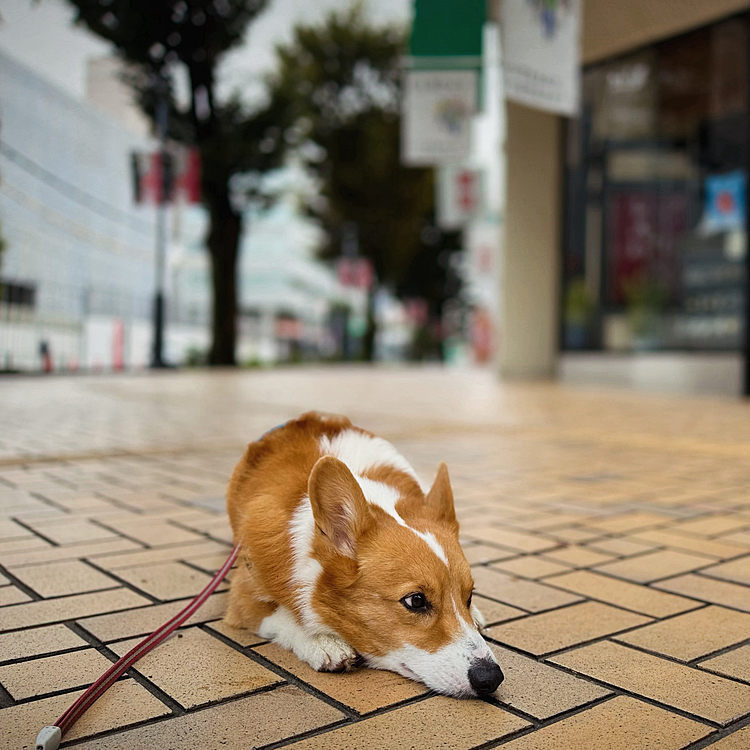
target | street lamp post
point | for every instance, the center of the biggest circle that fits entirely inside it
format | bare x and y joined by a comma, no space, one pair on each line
161,91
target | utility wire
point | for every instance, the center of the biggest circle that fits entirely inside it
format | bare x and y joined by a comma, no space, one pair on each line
73,193
75,229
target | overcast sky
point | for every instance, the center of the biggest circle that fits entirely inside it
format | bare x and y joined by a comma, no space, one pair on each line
41,36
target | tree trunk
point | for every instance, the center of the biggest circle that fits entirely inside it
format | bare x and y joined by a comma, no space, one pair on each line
225,223
223,246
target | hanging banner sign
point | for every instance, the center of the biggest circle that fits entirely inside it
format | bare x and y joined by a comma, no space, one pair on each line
436,116
166,180
459,196
356,272
541,58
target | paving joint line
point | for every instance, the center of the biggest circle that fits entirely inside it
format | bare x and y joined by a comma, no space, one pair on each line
128,584
644,698
36,533
720,734
551,720
114,501
656,618
580,644
720,652
18,583
289,677
119,533
6,699
176,545
668,657
34,657
49,501
145,451
317,731
566,605
347,722
161,719
56,693
198,569
174,706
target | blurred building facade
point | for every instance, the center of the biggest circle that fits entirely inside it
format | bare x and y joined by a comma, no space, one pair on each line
638,205
77,272
77,268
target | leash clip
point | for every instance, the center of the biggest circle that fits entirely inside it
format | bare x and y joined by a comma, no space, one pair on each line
49,738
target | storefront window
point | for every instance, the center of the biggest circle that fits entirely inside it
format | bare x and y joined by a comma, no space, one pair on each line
655,237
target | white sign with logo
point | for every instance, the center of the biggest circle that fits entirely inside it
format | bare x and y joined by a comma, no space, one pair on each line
436,117
541,59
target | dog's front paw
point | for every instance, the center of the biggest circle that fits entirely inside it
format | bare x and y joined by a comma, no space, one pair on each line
329,653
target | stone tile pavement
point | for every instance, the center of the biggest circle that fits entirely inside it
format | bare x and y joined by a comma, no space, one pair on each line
609,535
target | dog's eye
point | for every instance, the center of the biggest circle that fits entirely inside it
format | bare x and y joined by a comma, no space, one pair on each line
416,602
468,601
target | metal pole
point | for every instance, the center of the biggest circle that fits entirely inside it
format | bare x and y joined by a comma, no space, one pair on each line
746,300
158,354
161,89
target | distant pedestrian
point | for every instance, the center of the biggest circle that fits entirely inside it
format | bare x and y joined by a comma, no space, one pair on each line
44,353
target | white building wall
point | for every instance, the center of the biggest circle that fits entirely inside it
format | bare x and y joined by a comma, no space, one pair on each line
70,226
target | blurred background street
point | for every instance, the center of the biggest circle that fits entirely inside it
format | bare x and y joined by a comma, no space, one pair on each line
262,183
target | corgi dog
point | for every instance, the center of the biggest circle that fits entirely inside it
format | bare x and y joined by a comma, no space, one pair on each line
346,561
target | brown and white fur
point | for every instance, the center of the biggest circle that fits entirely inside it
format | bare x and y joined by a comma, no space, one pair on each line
340,546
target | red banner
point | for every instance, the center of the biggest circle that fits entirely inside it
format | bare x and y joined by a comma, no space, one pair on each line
157,180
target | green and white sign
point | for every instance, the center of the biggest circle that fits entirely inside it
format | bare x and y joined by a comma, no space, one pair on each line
447,34
441,81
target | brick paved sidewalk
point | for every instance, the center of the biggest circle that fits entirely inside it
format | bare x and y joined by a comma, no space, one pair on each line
609,534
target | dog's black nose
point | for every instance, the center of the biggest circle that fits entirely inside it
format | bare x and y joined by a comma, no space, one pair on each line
485,676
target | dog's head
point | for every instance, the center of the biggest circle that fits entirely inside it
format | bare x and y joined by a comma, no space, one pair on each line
395,583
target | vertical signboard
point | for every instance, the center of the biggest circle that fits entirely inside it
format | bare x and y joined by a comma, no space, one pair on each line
437,110
541,53
459,196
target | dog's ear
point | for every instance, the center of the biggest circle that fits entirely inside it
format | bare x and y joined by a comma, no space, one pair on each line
338,505
439,500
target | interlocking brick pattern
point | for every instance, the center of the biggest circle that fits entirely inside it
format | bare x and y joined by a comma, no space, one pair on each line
608,533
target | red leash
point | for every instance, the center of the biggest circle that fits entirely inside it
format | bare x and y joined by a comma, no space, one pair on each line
50,737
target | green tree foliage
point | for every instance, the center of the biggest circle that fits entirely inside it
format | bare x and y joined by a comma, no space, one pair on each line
154,36
338,91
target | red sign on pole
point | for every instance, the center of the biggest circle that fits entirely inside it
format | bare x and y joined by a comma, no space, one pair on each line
466,188
357,272
157,180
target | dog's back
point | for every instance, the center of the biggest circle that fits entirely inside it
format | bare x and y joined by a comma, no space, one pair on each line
266,488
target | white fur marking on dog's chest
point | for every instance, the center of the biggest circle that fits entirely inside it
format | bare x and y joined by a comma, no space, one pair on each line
361,452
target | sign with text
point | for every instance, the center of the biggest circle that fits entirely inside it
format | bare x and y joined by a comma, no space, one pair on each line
541,58
436,118
459,196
